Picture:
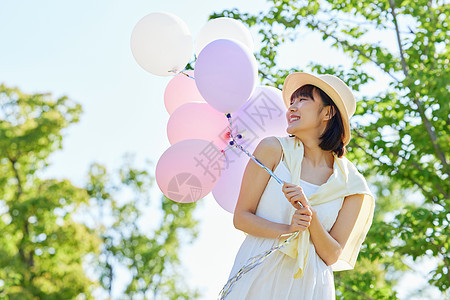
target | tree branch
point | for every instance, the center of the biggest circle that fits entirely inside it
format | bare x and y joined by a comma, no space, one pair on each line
342,20
402,54
19,183
352,47
432,134
426,122
425,192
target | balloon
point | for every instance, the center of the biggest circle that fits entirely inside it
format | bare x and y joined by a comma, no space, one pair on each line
226,191
188,170
264,113
223,28
161,43
181,89
198,121
225,74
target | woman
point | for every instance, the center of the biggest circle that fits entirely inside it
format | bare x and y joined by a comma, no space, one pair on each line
324,198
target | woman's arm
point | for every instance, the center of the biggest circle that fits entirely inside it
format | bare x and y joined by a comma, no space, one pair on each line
329,245
253,185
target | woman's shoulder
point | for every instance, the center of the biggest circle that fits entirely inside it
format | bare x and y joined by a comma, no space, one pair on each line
268,151
349,164
355,179
278,143
271,142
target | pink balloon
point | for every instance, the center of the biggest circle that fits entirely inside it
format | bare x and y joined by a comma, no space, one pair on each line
264,113
198,121
181,89
188,170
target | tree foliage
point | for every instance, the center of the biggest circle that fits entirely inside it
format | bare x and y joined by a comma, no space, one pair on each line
400,136
59,241
149,254
42,248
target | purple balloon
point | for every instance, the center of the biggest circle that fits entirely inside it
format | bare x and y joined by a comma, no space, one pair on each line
226,191
226,73
264,113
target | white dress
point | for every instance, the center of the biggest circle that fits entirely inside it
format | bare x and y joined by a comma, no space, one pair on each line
274,278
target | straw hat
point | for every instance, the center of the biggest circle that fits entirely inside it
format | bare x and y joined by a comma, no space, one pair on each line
335,88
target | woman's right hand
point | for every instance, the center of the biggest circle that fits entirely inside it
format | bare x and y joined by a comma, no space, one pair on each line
301,219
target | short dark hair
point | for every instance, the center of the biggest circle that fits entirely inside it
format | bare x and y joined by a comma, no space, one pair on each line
332,137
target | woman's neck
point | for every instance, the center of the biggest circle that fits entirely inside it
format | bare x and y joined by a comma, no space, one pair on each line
316,156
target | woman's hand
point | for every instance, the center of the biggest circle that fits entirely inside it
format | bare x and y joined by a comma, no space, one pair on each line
295,195
301,219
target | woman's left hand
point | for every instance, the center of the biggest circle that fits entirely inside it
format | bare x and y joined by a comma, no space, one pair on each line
295,195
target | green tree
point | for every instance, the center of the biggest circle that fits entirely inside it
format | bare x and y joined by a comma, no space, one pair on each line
119,207
400,135
42,248
53,233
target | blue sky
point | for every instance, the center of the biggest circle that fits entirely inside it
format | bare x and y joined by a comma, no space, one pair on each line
82,49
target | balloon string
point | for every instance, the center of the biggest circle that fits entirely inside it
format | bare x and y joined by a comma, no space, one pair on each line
181,72
254,262
227,148
237,145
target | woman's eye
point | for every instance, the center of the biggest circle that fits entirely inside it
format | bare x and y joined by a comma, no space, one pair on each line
299,99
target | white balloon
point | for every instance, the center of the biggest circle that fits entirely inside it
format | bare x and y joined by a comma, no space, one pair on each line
161,43
223,28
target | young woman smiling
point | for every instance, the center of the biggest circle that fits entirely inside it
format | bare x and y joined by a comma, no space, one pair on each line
324,198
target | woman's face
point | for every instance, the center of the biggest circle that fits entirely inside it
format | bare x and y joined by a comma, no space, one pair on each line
304,116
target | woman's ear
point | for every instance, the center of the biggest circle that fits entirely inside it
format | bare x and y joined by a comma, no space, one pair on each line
329,112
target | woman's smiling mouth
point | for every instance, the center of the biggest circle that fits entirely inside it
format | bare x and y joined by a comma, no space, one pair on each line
293,118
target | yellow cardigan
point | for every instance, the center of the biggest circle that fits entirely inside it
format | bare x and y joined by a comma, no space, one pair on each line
345,180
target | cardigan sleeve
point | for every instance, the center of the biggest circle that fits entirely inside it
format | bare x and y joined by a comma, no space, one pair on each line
356,184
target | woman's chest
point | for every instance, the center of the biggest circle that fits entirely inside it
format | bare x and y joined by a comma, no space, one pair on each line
315,175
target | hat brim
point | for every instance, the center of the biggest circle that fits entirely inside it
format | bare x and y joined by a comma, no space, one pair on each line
298,79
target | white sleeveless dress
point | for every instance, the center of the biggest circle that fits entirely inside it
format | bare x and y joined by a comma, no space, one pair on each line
274,278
